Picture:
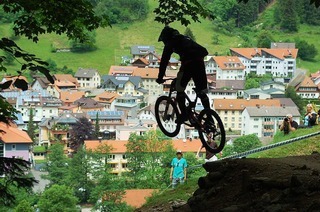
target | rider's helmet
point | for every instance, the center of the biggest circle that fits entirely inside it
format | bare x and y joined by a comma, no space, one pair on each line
167,33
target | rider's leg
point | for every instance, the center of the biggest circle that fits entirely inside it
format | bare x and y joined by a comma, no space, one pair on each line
199,77
182,80
204,98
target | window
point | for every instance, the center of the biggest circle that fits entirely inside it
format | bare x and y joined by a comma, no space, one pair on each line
124,156
255,126
113,166
233,118
1,149
13,147
225,112
225,118
256,119
124,165
111,157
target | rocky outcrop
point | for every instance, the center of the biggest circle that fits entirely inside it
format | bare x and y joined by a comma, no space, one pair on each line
265,184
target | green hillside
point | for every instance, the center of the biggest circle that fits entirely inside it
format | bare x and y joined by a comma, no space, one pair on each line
116,41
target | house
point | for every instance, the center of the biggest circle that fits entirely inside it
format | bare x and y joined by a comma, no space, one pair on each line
307,89
147,113
107,99
43,106
151,60
273,84
88,78
108,121
117,155
260,61
149,76
211,65
123,132
230,110
138,51
122,70
41,84
264,121
66,77
228,68
57,129
236,85
68,97
14,142
127,104
85,104
124,85
258,93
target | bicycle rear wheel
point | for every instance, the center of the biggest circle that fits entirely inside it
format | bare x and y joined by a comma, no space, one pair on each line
211,132
167,115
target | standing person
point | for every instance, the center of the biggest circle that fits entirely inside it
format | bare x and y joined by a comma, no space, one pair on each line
209,155
178,172
192,66
288,124
310,117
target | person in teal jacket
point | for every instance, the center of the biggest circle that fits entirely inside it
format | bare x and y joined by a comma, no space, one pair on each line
178,173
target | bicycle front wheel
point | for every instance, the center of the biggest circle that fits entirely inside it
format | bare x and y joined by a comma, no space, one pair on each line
167,115
211,131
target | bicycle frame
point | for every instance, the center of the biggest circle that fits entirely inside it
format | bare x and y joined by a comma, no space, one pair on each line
191,104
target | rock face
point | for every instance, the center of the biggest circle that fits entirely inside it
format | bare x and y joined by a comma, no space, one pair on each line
265,184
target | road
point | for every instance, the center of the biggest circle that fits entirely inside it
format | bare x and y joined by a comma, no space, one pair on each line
40,186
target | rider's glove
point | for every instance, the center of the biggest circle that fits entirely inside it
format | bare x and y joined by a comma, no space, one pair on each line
159,80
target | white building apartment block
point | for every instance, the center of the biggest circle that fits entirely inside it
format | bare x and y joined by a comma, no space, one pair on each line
278,62
265,121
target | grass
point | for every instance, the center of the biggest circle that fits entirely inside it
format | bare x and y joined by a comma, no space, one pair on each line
182,192
40,161
302,147
39,149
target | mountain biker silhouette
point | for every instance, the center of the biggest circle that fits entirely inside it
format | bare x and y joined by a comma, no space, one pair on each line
192,65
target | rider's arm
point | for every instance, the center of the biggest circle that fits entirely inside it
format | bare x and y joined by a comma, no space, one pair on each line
166,54
199,151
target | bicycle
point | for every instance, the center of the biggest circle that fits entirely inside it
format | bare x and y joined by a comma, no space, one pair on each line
207,122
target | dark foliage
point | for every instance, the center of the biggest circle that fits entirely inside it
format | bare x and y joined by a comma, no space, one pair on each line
82,130
13,170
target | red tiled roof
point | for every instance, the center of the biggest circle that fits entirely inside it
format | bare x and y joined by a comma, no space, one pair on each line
307,82
278,53
71,96
106,97
315,75
247,52
114,70
137,197
282,53
68,77
241,104
150,73
119,147
229,63
13,135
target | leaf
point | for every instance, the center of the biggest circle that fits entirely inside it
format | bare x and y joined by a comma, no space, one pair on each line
21,83
6,84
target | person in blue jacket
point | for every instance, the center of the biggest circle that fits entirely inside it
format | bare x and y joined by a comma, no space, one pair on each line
178,172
